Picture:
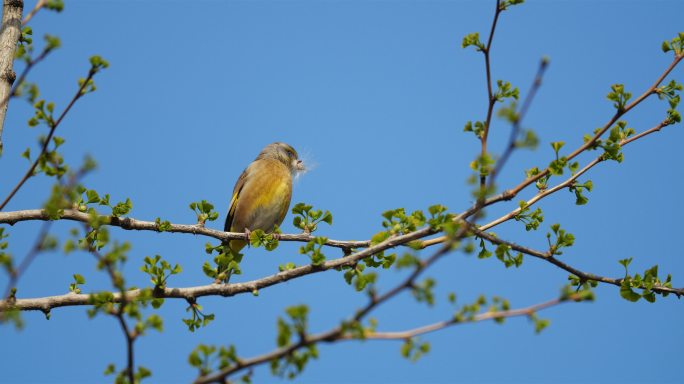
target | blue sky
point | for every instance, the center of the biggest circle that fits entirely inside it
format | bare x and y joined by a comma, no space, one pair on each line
374,95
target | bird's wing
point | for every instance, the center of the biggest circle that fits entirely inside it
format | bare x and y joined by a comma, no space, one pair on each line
233,201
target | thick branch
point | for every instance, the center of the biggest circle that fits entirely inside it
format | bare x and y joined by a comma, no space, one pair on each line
336,333
9,37
45,304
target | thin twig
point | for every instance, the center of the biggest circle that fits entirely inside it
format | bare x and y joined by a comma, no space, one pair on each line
43,150
583,276
120,312
491,100
515,129
571,180
24,74
28,259
546,192
129,345
407,334
40,239
40,4
336,335
511,193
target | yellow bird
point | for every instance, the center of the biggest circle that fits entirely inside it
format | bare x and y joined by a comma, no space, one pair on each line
261,196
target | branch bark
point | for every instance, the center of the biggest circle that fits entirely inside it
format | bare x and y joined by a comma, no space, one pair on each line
45,304
584,276
126,223
336,335
491,315
9,37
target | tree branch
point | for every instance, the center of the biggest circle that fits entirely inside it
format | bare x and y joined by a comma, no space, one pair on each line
40,240
45,304
53,127
32,63
140,225
584,276
515,129
336,334
120,312
571,180
527,311
490,94
511,193
546,192
9,37
28,259
39,4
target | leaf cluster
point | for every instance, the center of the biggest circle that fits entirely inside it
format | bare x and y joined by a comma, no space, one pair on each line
562,239
197,319
205,358
531,219
227,262
159,270
307,219
503,254
295,361
121,376
645,282
204,211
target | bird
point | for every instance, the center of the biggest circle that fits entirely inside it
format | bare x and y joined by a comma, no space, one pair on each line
262,193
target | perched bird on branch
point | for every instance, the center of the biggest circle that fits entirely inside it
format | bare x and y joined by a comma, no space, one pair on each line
261,196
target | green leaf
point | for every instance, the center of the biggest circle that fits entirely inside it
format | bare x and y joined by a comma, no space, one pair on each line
92,196
627,293
557,145
27,154
79,279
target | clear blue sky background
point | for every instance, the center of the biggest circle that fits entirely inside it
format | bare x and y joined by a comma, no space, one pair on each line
374,94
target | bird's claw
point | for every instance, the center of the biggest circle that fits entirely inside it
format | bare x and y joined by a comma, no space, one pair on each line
248,234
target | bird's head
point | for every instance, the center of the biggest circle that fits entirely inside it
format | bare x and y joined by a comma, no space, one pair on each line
283,153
